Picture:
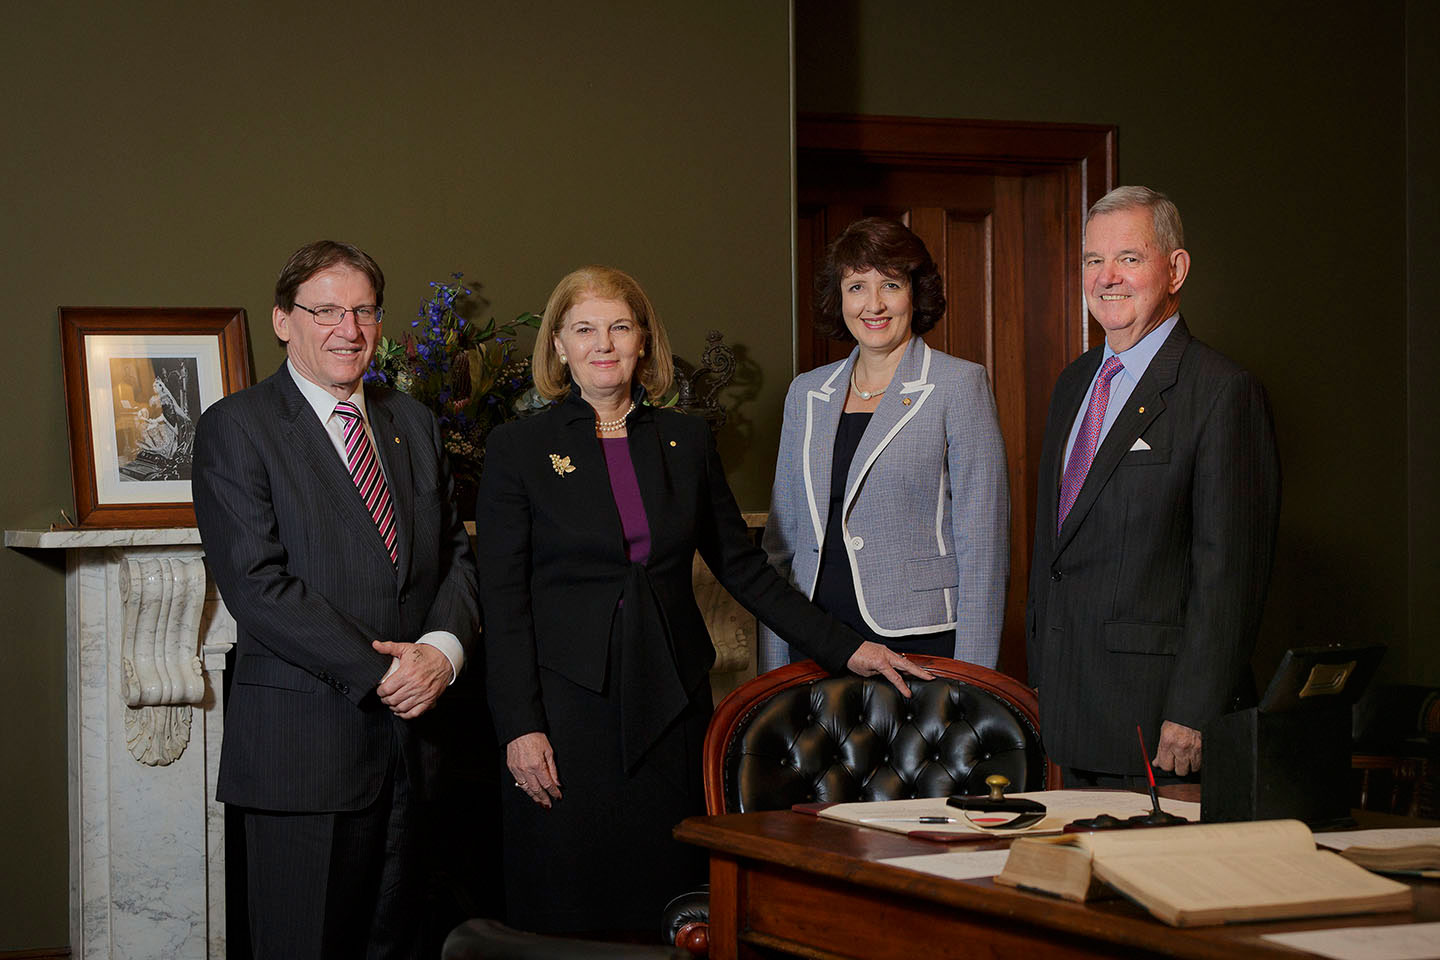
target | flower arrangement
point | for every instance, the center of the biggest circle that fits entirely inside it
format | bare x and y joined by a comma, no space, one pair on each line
465,371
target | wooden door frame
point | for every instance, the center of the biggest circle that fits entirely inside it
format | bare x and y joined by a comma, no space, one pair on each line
1088,150
1085,156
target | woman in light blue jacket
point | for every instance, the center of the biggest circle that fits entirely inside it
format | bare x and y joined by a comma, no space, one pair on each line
891,507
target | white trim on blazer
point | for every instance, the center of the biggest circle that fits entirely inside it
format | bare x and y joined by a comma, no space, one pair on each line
924,388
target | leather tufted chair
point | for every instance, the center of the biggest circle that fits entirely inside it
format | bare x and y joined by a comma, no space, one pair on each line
798,735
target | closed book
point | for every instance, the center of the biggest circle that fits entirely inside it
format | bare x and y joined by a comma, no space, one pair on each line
1420,857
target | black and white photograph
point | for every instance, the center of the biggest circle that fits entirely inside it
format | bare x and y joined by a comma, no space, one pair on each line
156,401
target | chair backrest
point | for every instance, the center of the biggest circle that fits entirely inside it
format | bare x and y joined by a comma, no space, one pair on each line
798,735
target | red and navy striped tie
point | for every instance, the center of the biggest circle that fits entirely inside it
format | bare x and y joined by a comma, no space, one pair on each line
369,478
1087,439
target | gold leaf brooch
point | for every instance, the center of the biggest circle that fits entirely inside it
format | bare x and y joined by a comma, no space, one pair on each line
561,464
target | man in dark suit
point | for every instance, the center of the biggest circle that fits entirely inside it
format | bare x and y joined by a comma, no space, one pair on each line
325,511
1155,524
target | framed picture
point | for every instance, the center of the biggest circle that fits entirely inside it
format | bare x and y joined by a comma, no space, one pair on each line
136,381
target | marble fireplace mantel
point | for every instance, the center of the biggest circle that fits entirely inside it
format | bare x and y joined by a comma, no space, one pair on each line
146,637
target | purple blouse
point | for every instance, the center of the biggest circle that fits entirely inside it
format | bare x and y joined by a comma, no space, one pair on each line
626,490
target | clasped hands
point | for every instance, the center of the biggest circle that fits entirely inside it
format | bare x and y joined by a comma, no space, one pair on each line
418,674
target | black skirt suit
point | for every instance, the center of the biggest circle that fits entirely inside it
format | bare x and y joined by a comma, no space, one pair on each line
610,658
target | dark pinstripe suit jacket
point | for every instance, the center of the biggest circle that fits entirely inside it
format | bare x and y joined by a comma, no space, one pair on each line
302,568
1144,607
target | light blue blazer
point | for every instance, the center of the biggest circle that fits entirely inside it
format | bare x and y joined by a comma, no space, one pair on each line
927,505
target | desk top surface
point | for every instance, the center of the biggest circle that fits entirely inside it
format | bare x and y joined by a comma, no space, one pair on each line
840,851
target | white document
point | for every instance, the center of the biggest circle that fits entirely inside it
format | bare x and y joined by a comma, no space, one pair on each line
1061,806
1401,837
1402,941
955,866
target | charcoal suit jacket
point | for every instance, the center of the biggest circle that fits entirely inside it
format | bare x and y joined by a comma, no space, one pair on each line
301,566
1144,606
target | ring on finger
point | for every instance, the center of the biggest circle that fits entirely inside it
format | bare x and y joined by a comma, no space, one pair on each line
519,784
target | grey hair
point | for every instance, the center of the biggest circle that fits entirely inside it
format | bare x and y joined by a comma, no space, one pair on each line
1169,232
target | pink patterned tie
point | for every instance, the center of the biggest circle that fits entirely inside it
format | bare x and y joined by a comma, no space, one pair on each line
1087,439
369,478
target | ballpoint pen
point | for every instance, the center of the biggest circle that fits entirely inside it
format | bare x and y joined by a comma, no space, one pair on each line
908,820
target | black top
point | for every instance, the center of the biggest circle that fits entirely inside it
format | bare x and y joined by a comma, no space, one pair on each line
835,585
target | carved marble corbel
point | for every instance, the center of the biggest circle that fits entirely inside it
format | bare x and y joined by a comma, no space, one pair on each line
162,599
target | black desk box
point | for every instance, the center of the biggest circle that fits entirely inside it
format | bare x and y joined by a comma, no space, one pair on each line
1265,766
1290,756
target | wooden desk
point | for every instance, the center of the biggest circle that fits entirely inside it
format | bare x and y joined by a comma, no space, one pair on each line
784,884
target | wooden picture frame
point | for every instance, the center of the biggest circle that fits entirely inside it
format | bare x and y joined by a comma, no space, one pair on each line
136,381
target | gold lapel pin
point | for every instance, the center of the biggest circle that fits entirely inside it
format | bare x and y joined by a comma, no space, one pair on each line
397,439
906,401
1142,409
561,464
672,443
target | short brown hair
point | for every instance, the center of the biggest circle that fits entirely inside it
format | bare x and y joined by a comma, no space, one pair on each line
878,243
655,371
322,255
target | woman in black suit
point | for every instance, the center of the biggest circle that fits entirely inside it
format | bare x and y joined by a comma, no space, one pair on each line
588,520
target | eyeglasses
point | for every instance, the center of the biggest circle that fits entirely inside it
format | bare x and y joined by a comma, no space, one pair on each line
329,316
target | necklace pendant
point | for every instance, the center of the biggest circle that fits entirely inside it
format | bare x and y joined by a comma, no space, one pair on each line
864,394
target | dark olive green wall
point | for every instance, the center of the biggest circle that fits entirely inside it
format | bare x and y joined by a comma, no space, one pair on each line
173,154
1279,130
159,154
1422,182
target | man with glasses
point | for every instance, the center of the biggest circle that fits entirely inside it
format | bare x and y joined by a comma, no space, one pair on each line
326,514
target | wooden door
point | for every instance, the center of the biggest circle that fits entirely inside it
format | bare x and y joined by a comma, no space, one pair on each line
1001,208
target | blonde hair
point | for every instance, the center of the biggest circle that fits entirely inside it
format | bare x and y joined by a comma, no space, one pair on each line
655,370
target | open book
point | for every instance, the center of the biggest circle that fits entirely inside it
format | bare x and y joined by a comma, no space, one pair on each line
1206,873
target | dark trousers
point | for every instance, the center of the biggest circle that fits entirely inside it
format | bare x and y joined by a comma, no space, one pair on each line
337,885
1073,778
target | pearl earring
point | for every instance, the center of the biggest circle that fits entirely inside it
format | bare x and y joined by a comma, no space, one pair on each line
564,359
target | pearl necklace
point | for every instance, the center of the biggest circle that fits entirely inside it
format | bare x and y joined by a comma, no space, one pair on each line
864,394
610,426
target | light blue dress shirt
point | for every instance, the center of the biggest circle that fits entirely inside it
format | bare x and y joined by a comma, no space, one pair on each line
1136,360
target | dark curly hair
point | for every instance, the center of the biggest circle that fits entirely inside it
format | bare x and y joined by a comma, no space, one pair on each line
878,243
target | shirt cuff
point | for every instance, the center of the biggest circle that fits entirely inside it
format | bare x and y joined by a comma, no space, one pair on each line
448,644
